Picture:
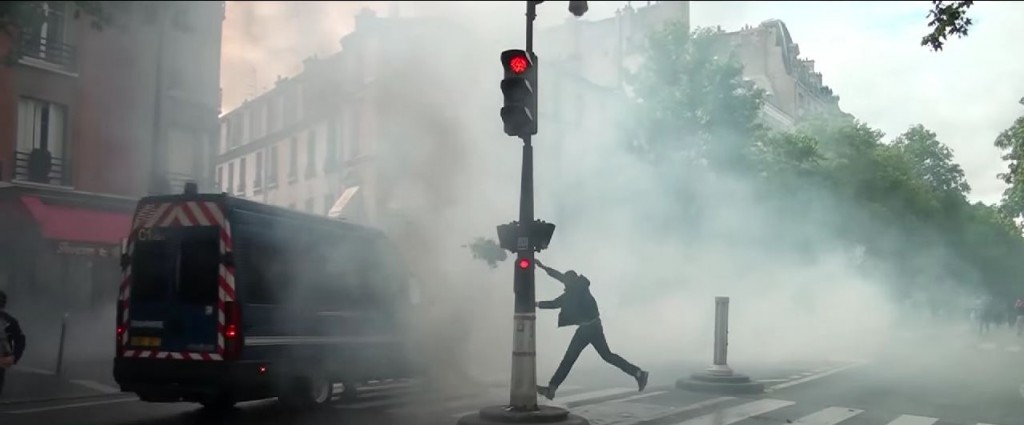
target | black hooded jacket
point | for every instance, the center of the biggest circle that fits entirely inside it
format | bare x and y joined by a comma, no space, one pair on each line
577,305
15,338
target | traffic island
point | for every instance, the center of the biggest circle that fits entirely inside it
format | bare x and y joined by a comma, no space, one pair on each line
493,415
717,382
720,378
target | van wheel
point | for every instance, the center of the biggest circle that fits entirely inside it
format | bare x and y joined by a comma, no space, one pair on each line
307,392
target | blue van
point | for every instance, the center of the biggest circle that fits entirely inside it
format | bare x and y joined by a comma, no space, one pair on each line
226,300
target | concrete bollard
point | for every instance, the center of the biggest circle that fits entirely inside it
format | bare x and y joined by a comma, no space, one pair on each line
60,345
720,378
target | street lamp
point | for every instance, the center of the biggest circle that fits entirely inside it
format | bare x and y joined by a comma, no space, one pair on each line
530,236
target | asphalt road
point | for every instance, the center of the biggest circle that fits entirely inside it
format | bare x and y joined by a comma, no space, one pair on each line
954,379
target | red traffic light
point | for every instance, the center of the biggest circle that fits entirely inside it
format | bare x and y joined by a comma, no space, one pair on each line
518,64
524,263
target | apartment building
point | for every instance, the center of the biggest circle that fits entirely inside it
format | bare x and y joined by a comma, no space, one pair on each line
333,138
90,121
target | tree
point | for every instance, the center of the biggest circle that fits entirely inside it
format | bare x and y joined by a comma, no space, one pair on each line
692,101
1011,142
932,161
946,19
19,19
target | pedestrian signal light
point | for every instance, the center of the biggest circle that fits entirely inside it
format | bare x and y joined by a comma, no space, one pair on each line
524,263
518,64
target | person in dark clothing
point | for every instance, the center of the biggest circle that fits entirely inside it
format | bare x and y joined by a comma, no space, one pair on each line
12,340
578,307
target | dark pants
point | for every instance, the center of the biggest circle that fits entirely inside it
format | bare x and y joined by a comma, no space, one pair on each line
585,335
3,372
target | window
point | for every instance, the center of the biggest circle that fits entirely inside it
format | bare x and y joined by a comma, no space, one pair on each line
274,115
41,129
311,205
272,162
220,177
235,131
200,265
47,43
331,151
311,155
230,188
291,107
153,270
255,119
258,181
242,175
293,159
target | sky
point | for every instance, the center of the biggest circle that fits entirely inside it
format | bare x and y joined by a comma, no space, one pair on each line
868,52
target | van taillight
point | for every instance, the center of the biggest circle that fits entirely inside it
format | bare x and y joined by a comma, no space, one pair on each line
232,338
121,328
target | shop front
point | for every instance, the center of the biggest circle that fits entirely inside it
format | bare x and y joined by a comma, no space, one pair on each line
59,249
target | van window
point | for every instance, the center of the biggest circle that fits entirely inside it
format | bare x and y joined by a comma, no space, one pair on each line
200,266
153,270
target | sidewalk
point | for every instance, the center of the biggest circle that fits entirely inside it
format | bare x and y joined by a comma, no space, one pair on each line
25,384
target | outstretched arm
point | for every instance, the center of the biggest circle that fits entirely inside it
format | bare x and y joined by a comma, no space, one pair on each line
550,305
552,272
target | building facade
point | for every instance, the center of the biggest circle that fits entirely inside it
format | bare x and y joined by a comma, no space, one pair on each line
338,137
90,120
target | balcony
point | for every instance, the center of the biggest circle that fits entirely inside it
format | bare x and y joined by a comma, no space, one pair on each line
40,166
60,56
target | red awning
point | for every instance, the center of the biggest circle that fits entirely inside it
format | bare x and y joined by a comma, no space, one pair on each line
65,223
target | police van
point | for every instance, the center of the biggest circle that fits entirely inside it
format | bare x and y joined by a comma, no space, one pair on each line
225,300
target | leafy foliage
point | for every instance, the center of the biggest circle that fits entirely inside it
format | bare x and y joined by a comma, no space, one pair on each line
18,18
946,19
904,201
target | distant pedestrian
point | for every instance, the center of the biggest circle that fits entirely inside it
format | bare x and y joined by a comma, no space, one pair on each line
578,307
1019,308
12,340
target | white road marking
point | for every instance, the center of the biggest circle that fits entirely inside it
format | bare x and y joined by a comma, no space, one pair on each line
775,380
793,377
913,420
73,405
563,401
610,414
828,416
103,388
812,377
738,413
31,369
636,397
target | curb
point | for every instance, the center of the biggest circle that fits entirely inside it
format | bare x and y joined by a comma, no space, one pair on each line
20,401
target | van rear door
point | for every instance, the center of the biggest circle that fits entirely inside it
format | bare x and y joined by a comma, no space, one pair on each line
173,311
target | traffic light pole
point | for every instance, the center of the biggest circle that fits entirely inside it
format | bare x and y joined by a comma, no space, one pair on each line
523,391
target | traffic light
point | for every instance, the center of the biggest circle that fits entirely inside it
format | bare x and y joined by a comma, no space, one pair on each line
524,263
519,88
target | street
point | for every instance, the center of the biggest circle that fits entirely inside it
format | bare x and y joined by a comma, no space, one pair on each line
950,381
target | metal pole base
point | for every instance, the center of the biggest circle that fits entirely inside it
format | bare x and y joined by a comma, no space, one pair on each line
720,379
495,415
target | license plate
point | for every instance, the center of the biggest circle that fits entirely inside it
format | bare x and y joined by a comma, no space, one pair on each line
145,341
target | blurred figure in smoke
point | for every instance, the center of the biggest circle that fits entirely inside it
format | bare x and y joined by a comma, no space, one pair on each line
578,307
12,340
1018,307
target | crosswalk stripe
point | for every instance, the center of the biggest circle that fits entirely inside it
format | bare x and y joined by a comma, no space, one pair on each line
738,413
563,401
913,420
571,398
828,416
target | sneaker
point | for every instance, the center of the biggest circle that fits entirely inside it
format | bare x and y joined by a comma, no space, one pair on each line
548,392
641,379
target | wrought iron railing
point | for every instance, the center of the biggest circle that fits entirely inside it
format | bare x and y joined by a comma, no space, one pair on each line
62,55
44,170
